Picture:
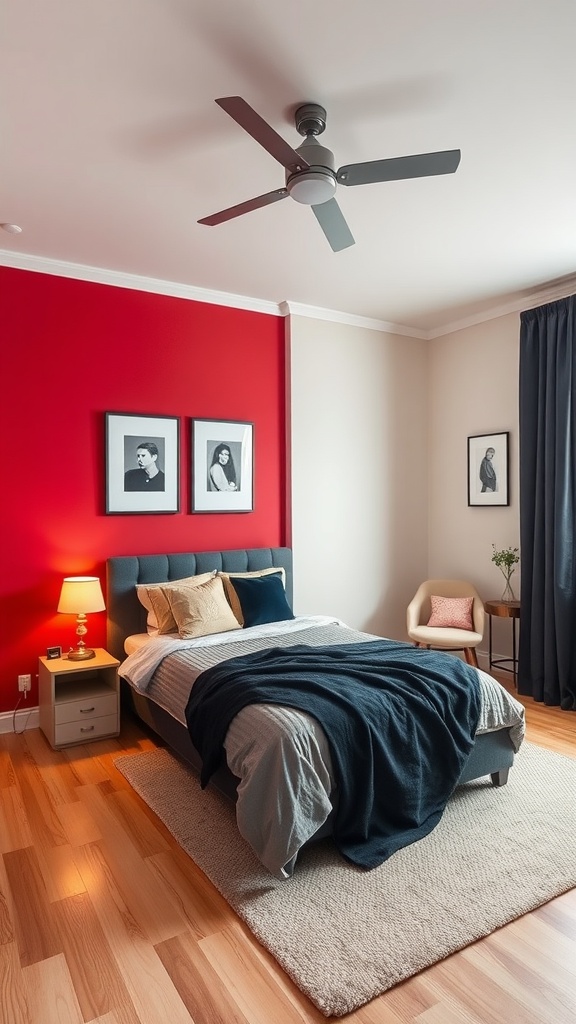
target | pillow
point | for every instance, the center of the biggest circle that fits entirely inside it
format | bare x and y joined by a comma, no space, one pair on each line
455,612
227,577
262,599
151,596
201,610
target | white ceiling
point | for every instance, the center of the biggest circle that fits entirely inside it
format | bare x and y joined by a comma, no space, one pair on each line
112,146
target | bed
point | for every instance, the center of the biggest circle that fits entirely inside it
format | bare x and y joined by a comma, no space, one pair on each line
161,661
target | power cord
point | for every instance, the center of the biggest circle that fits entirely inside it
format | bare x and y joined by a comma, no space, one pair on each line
18,732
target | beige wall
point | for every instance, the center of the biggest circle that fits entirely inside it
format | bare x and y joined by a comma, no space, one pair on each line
473,389
379,466
359,472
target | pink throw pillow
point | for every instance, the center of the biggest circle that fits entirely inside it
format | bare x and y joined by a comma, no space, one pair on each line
455,612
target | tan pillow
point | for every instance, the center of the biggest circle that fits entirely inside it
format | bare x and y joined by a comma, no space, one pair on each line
152,597
228,577
202,610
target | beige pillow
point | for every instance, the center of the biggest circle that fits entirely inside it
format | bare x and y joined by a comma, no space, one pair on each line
228,577
152,597
202,610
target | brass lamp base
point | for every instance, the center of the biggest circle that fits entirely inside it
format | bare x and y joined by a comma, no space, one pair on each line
81,654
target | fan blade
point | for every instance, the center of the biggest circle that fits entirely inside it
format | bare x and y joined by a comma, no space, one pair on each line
260,130
331,220
419,166
247,207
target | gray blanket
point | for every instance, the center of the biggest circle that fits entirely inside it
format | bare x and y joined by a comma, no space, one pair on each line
400,723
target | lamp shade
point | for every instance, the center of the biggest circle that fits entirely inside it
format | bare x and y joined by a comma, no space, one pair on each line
81,594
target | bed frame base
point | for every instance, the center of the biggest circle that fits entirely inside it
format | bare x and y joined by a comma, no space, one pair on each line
492,754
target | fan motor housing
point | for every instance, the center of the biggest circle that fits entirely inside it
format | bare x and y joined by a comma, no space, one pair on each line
317,183
310,119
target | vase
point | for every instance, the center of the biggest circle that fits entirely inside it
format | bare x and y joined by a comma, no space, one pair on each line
508,594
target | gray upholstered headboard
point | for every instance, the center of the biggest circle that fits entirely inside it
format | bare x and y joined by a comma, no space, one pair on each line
125,613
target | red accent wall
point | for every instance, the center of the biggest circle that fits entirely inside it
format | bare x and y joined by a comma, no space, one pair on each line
72,350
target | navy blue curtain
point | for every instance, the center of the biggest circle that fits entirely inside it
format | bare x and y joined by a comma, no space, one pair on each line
547,648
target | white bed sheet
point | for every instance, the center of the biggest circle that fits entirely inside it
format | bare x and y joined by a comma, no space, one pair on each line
136,641
140,665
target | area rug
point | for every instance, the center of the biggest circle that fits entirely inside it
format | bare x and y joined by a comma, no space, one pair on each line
345,935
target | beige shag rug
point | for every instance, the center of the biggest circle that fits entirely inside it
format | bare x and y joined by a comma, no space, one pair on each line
344,935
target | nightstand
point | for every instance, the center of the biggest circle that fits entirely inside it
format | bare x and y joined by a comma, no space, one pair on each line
504,610
79,700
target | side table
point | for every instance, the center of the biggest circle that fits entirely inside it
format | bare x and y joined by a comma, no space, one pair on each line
504,610
79,700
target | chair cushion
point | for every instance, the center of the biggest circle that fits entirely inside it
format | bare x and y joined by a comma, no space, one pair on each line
445,637
451,612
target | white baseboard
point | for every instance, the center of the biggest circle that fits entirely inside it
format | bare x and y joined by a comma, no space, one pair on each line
484,661
18,721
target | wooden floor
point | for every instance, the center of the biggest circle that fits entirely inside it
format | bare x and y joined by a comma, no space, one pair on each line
103,918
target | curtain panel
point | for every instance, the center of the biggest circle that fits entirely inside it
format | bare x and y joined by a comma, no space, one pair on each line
547,648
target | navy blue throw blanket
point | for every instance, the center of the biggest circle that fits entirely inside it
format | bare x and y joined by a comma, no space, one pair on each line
400,722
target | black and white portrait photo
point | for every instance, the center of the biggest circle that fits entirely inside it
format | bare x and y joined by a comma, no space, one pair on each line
142,463
222,467
224,460
144,459
487,474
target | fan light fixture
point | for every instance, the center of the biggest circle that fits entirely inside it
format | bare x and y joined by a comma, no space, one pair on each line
312,187
81,594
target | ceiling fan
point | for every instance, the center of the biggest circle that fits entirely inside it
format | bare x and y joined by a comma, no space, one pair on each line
311,177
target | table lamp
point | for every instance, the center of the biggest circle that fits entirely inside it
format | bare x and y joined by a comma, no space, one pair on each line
81,594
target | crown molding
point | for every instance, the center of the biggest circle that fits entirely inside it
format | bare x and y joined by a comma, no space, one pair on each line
352,320
81,272
540,295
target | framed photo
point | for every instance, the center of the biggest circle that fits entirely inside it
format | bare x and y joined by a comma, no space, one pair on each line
222,466
488,474
142,463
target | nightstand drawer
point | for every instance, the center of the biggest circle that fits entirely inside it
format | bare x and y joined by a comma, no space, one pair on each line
86,708
80,732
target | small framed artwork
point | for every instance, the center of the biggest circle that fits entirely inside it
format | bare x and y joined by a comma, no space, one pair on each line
488,474
222,466
142,463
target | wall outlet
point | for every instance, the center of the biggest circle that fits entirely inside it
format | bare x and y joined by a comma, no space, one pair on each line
24,683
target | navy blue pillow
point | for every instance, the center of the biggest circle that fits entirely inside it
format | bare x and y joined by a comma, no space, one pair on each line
262,599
